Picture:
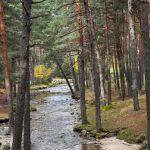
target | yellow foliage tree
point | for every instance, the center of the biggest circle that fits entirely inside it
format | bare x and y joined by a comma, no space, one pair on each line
41,72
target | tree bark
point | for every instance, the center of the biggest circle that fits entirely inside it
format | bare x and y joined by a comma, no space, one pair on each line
81,65
108,54
146,48
73,73
101,79
27,133
24,75
32,69
133,54
94,62
6,67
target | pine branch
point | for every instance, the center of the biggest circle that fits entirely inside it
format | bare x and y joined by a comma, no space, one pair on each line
54,10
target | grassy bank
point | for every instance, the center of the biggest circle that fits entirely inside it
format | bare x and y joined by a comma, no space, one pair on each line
120,115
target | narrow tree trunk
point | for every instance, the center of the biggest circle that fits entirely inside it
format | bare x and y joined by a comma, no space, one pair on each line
73,74
146,48
101,79
24,66
14,89
133,54
6,67
94,62
86,77
114,72
117,75
64,75
128,77
90,75
32,69
108,54
13,61
27,133
81,65
141,64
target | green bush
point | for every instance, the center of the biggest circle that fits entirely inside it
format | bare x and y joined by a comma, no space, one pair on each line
127,135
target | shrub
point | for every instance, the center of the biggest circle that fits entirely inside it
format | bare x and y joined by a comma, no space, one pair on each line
42,74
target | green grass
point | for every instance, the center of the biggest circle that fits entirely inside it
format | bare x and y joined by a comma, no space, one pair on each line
127,135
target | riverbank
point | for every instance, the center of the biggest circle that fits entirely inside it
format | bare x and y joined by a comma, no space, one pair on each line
54,82
53,121
118,119
36,98
35,94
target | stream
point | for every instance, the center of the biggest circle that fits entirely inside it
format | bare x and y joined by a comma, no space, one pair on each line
52,125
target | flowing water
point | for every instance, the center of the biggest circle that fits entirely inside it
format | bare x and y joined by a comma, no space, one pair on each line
52,125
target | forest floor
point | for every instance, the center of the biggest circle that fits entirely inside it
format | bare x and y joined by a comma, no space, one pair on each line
121,115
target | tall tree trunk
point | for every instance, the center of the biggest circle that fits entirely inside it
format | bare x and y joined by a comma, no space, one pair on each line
6,67
133,54
24,73
81,65
94,62
108,54
146,48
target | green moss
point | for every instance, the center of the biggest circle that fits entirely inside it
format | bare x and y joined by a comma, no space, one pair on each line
94,133
106,108
80,127
127,135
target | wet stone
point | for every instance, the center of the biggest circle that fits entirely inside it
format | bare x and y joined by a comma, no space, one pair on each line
72,113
